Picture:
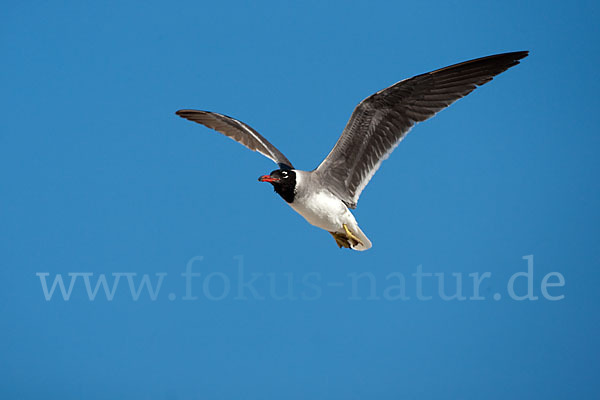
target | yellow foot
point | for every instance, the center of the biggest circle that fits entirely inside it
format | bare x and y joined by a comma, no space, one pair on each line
351,237
340,240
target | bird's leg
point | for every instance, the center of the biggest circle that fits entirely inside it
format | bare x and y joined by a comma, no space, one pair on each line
340,240
351,236
337,239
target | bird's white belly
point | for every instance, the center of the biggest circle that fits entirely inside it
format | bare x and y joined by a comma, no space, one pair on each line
324,210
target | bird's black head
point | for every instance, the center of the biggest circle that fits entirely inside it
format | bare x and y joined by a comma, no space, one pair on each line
283,181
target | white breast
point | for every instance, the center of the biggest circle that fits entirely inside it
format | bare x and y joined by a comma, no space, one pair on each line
321,208
324,210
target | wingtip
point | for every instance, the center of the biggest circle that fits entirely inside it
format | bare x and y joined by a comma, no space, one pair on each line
516,57
183,113
186,113
521,54
513,55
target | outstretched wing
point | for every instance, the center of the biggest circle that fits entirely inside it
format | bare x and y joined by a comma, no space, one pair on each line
238,131
382,120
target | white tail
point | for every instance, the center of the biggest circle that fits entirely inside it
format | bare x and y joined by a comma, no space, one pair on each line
366,243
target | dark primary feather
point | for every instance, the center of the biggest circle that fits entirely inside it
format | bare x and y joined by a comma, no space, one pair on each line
382,120
238,131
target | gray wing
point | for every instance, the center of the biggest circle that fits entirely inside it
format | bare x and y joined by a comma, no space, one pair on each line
238,131
382,120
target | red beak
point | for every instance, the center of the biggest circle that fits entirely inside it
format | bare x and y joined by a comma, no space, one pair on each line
267,178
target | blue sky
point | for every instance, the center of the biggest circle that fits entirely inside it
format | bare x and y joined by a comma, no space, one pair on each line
100,177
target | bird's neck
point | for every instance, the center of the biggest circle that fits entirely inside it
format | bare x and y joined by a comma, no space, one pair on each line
287,192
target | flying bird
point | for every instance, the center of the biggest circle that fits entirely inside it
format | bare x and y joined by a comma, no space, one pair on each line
325,195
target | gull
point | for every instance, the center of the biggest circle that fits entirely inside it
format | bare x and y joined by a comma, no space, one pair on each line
325,195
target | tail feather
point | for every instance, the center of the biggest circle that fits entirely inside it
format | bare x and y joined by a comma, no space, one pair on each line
366,243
